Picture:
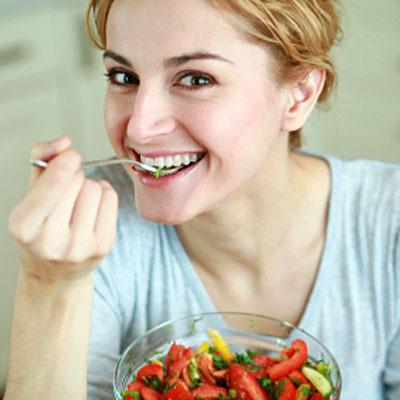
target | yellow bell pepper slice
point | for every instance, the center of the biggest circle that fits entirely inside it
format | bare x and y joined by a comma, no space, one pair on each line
219,343
204,346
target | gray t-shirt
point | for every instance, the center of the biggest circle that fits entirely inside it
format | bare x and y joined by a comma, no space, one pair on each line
354,308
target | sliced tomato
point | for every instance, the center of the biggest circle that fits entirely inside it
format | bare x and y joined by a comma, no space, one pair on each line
150,370
150,394
209,392
179,391
316,396
259,361
283,368
205,364
257,371
245,384
287,353
297,377
177,367
264,361
136,386
220,373
174,352
289,390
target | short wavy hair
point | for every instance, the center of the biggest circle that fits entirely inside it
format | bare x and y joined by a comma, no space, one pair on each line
300,34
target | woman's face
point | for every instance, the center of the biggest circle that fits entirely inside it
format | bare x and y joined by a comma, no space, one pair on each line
185,85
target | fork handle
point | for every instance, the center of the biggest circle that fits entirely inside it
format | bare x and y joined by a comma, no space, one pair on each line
110,161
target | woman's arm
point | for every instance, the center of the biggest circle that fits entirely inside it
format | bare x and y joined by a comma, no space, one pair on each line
64,226
49,342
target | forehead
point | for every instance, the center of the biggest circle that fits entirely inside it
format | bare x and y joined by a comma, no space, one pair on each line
174,26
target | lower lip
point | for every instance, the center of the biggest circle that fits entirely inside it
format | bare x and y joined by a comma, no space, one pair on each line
152,181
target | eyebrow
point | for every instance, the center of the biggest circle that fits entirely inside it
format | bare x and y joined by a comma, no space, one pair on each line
119,59
199,55
173,61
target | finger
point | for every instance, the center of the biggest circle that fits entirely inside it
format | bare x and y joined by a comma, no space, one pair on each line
86,207
46,151
106,223
33,210
58,239
61,214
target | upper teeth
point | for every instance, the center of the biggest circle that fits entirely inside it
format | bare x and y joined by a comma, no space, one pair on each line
169,161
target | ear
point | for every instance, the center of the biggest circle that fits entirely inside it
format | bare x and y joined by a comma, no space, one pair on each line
301,99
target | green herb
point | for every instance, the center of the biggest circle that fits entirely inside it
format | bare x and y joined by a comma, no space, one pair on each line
244,358
323,367
125,156
134,394
232,393
251,353
255,368
280,386
193,326
157,384
268,387
158,173
146,381
305,390
157,352
219,361
168,328
167,386
146,360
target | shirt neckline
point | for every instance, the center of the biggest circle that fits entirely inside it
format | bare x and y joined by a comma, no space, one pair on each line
323,271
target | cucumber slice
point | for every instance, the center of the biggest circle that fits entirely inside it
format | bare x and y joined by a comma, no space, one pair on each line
320,382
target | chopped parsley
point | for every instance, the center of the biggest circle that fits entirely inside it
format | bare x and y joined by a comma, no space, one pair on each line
219,361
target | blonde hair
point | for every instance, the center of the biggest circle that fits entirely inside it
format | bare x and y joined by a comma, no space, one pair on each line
300,34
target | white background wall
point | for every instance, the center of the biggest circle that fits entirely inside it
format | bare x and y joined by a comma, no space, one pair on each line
51,85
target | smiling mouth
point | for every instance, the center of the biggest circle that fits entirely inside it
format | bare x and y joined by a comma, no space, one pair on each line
170,165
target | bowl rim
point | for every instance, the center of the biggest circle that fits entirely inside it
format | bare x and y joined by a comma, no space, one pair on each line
216,313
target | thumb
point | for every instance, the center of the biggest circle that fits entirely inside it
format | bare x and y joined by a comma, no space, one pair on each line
46,151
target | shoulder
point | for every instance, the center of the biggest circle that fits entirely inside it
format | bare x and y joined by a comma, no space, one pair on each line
367,185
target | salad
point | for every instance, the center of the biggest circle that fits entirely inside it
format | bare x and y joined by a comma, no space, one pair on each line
213,372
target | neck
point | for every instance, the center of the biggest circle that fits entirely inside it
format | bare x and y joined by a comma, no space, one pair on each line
276,215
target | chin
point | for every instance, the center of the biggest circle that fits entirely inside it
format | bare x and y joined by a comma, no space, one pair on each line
164,215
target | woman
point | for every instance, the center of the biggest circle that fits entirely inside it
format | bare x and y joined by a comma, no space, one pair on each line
249,224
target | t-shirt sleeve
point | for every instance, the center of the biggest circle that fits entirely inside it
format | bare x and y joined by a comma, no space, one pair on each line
392,371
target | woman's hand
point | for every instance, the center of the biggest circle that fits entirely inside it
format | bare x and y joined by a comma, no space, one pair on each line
66,223
64,226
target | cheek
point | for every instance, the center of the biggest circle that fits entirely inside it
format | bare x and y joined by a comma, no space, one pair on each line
115,119
235,123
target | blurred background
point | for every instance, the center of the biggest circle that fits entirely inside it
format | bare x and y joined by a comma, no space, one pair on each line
51,84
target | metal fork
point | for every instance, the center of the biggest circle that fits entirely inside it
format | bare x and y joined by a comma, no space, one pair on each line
113,161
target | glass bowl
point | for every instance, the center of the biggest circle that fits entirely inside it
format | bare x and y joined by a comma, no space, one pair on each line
241,331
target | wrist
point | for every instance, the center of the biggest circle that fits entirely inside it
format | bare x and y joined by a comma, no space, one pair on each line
31,286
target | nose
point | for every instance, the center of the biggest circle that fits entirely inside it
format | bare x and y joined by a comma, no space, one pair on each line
151,116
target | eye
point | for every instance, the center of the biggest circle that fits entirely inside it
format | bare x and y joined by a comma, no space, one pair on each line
121,78
194,80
